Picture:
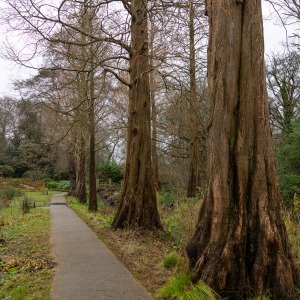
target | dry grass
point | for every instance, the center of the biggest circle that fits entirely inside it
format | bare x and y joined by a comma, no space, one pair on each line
142,252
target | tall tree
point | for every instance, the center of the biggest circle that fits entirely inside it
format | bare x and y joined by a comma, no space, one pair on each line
283,79
194,171
138,205
240,245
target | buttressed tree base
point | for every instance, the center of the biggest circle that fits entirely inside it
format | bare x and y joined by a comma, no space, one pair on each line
240,246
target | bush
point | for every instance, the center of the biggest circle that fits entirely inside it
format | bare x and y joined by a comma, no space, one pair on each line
34,174
10,193
6,171
51,185
62,185
110,170
169,197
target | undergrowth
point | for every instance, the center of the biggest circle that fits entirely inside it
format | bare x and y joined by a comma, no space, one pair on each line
25,264
158,259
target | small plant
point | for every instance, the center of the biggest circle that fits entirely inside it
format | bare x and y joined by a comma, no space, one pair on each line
174,229
172,260
26,204
181,287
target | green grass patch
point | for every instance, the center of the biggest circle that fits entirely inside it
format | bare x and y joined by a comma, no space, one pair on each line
25,263
41,198
172,260
180,287
102,219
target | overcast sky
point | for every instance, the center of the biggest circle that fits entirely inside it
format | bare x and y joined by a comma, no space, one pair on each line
274,36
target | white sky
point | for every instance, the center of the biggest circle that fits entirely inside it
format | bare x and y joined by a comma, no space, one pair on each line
274,36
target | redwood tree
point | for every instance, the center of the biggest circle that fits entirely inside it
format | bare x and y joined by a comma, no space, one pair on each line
138,206
240,246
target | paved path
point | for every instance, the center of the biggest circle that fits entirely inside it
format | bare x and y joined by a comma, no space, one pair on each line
86,269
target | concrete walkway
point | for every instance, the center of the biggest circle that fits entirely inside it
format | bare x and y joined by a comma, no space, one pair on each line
86,269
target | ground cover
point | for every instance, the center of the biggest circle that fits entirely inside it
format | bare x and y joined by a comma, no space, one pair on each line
157,259
143,252
25,262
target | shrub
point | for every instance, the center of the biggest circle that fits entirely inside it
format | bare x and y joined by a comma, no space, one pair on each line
10,193
169,197
174,229
51,185
34,174
110,170
63,185
6,171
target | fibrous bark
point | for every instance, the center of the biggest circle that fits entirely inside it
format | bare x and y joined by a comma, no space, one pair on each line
138,207
194,171
240,246
72,170
81,186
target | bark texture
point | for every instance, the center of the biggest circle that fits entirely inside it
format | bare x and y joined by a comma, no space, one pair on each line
240,246
138,207
194,172
153,111
93,204
81,186
72,170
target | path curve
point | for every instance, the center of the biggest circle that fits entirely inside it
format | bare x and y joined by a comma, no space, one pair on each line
86,269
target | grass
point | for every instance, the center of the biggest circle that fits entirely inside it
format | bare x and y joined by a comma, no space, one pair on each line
142,252
158,259
172,260
25,264
180,287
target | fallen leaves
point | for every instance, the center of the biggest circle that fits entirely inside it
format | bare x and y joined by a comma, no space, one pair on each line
11,264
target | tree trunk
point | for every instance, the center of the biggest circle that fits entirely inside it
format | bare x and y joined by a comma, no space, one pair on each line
240,245
138,207
153,112
72,170
90,55
81,186
194,128
93,205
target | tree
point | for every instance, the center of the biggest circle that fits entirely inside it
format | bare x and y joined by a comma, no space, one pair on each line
283,79
288,162
138,205
288,13
194,172
240,245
